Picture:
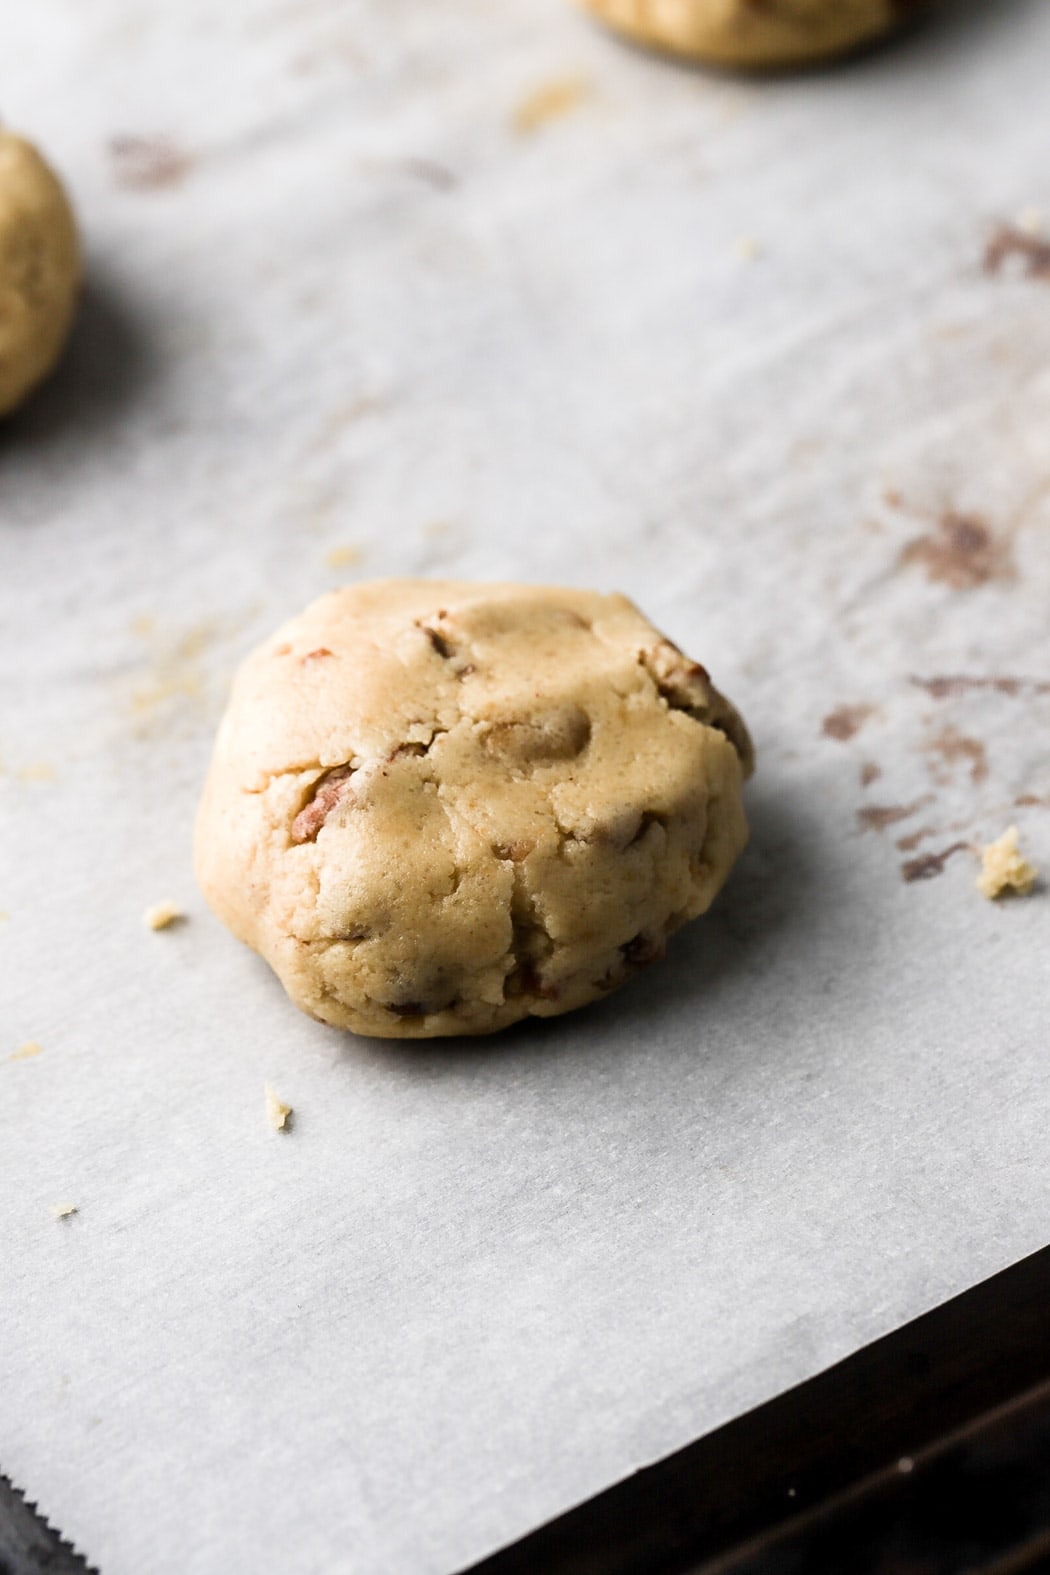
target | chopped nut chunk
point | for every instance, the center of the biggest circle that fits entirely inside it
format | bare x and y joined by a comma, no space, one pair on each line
161,916
63,1211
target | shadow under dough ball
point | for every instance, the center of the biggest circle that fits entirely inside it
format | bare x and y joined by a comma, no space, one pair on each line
437,807
756,33
40,270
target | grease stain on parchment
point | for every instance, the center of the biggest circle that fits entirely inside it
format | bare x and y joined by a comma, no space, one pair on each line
876,817
148,163
846,721
430,172
961,551
948,686
929,865
1014,243
949,748
909,843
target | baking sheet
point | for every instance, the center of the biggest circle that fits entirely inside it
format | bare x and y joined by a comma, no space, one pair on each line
473,289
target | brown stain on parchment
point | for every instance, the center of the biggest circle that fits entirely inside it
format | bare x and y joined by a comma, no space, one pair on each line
1010,241
876,817
961,551
869,773
148,163
549,102
949,686
430,172
416,166
929,865
950,748
909,843
846,721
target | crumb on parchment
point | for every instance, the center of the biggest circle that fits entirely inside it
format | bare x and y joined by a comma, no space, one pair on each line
342,557
1005,869
161,916
551,101
27,1051
64,1211
277,1112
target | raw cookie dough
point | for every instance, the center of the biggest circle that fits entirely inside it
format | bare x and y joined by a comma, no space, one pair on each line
1004,868
438,807
755,32
39,270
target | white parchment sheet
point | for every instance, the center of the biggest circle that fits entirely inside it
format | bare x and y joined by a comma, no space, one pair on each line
472,289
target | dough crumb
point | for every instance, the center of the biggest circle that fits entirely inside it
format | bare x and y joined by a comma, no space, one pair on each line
27,1051
161,916
63,1211
1005,869
277,1112
748,249
342,557
550,102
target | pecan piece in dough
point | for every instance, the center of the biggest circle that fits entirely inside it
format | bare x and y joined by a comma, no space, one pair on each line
329,792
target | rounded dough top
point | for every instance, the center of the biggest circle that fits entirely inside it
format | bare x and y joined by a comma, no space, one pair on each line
436,807
756,33
39,269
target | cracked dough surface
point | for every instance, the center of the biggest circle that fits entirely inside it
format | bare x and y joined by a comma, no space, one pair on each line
755,32
39,269
438,807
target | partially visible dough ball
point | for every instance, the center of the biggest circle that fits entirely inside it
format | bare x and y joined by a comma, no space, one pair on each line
756,33
437,807
39,269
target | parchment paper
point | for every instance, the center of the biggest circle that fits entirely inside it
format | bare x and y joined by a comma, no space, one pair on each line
474,289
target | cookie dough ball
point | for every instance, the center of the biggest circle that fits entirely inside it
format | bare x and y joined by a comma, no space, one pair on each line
437,807
39,269
756,32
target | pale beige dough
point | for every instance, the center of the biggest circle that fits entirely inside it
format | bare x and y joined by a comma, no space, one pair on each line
438,807
755,33
1004,868
39,270
277,1112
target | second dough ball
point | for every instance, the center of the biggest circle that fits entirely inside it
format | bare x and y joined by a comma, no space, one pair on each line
756,33
39,269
